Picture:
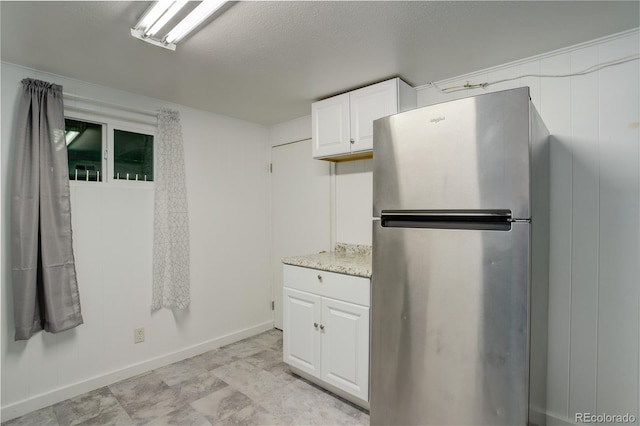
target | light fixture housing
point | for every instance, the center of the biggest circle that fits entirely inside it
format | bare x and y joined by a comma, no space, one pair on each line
149,27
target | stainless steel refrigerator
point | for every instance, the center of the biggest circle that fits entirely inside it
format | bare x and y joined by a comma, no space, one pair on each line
460,264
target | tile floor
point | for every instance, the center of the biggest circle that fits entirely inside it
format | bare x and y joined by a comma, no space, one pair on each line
245,383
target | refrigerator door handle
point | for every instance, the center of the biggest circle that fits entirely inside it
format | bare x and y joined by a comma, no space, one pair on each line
497,220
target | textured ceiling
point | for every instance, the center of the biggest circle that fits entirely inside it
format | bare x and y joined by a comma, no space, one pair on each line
267,61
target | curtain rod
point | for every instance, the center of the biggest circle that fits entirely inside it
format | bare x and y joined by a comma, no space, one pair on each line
72,97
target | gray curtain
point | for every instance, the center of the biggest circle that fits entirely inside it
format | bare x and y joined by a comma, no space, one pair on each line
45,289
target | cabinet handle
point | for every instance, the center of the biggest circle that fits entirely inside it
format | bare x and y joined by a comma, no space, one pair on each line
352,141
319,277
315,324
321,327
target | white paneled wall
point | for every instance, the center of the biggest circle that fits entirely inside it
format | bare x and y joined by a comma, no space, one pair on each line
584,252
228,194
594,293
618,268
555,109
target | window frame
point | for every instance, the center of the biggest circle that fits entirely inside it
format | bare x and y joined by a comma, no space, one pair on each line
109,124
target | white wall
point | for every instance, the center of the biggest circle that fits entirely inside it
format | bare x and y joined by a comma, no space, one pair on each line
228,187
298,129
354,201
594,321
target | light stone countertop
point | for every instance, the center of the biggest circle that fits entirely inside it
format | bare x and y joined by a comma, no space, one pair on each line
350,259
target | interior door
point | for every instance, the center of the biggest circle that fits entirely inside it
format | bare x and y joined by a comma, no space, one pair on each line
300,210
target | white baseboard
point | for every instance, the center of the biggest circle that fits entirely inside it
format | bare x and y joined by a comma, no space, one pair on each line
537,416
46,399
554,420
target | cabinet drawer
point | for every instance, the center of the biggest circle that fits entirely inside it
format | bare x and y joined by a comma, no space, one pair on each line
329,284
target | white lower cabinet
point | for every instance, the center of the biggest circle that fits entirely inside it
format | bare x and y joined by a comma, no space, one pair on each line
326,328
301,339
345,346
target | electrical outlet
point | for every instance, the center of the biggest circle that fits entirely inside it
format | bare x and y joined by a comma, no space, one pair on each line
138,335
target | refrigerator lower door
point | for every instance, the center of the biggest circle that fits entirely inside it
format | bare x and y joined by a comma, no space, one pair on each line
450,326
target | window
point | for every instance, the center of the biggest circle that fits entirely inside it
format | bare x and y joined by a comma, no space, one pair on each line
84,147
89,145
132,156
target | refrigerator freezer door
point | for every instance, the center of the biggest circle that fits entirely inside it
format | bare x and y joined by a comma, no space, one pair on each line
468,154
449,326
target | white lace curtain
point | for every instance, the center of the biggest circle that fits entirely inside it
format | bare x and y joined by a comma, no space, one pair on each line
171,282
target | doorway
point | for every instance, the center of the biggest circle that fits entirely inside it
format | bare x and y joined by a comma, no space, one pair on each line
300,209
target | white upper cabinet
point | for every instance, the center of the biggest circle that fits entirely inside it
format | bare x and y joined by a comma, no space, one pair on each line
342,126
330,126
368,104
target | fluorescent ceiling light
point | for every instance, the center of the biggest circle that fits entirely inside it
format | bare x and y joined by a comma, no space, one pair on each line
195,18
70,135
153,14
166,17
162,12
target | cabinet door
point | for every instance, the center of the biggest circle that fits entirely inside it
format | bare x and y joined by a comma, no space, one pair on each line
368,104
301,338
330,126
345,346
